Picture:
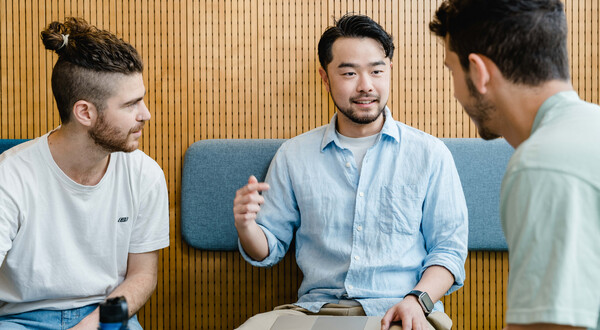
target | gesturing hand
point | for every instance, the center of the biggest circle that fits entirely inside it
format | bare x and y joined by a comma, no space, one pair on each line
247,202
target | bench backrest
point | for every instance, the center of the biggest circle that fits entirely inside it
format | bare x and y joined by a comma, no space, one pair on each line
6,144
214,169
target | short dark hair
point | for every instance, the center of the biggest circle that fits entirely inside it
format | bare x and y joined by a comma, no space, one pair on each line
353,26
526,39
87,60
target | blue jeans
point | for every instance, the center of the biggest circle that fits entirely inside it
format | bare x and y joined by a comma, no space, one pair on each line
53,320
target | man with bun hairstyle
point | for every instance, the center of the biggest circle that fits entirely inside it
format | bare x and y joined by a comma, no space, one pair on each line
83,213
510,70
376,207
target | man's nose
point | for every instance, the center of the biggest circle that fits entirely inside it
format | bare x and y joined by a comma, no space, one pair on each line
365,84
144,114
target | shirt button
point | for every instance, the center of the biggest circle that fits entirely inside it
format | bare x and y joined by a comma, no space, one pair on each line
361,194
348,164
350,287
356,258
359,228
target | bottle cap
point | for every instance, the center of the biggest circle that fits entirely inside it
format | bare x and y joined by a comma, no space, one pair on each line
114,310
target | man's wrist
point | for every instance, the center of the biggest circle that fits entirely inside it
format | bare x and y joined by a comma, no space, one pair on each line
245,227
422,299
412,299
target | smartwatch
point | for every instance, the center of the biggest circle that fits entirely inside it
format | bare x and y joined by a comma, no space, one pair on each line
423,299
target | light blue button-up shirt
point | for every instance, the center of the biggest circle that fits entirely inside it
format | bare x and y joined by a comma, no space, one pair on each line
366,236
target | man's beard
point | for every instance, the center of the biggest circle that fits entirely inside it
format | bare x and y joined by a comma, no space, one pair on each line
110,138
480,112
354,116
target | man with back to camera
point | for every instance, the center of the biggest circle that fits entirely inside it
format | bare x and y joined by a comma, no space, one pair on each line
83,211
510,69
376,207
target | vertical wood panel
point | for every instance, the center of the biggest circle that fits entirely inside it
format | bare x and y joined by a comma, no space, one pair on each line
4,70
248,69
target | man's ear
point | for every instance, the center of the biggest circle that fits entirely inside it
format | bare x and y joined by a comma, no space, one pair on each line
325,78
85,113
479,72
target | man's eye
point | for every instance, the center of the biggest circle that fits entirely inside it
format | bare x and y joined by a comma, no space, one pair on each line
134,106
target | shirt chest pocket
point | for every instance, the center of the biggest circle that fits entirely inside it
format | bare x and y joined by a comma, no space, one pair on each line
400,209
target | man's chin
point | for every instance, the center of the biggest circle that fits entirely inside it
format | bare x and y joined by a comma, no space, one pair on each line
132,147
487,135
366,116
126,147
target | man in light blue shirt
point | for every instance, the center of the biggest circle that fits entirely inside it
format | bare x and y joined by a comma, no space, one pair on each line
376,207
510,67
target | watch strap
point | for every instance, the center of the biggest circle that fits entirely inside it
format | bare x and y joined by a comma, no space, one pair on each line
421,297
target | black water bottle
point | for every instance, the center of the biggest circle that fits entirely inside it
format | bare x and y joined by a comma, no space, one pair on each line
114,314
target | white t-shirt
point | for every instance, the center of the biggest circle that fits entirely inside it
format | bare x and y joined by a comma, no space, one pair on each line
64,245
358,146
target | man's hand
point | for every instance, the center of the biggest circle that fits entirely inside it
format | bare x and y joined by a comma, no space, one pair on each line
408,311
89,322
246,205
139,283
436,281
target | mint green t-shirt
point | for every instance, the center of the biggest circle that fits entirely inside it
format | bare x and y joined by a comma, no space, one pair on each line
550,211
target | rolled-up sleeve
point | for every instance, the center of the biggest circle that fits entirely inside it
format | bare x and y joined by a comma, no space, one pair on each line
279,216
445,218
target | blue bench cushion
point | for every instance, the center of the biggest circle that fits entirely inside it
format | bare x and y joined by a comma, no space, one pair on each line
6,144
481,166
214,169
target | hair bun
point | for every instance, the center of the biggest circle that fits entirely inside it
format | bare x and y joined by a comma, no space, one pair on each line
53,36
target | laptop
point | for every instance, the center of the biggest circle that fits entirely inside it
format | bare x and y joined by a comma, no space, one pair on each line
325,322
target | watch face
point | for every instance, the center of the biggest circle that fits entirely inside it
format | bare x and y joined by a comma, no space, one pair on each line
424,297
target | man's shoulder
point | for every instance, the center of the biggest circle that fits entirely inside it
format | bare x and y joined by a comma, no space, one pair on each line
563,149
22,168
19,149
418,140
413,132
21,157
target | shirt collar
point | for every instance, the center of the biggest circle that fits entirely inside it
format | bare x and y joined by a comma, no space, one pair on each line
550,103
389,129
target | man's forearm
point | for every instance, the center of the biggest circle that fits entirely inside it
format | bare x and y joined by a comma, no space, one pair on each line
139,283
136,289
436,281
254,242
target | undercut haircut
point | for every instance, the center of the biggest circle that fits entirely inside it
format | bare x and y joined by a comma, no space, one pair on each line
88,59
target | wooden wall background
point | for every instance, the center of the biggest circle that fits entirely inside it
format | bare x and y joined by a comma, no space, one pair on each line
248,69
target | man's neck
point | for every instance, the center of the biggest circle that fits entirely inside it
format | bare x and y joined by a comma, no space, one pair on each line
77,155
348,128
519,105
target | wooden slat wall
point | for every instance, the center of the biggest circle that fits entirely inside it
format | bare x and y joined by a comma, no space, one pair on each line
248,69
